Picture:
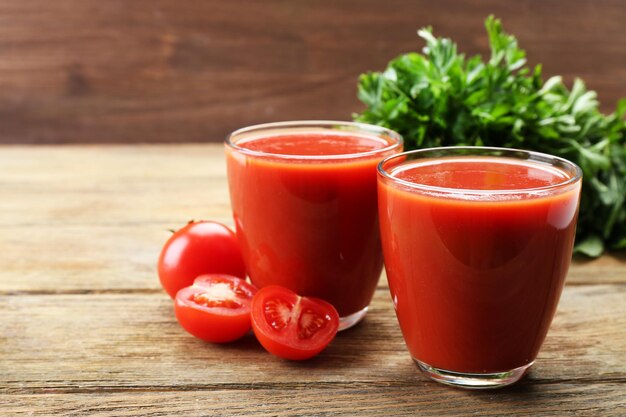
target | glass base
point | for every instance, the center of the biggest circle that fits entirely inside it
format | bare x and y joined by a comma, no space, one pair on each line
349,321
473,381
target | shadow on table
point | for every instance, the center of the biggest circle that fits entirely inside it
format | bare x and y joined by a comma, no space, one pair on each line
529,394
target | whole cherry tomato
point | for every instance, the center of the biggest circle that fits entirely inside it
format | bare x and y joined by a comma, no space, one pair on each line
202,247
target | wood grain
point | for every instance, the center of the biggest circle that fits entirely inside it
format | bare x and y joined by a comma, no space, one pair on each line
422,399
179,71
94,218
86,330
112,185
100,342
123,257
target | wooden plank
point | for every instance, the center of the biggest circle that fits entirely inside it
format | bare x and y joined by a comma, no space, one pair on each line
177,71
26,165
84,218
75,258
81,258
99,342
86,329
609,268
112,184
423,398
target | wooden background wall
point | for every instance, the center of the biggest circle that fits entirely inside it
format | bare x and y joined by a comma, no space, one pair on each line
182,70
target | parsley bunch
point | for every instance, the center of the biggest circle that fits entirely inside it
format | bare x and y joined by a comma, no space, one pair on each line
440,98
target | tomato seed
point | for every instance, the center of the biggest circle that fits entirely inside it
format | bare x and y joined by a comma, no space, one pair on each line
205,299
310,323
277,313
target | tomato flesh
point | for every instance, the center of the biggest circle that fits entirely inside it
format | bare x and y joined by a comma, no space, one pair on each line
199,248
291,326
216,308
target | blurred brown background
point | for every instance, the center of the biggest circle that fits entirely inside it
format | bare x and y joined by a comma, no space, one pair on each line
191,71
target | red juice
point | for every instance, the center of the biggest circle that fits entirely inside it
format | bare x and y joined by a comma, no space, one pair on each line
476,251
305,210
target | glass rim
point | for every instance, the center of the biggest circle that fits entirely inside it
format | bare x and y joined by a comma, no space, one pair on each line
357,127
515,153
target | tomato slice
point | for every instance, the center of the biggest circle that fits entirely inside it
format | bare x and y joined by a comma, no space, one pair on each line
216,308
291,326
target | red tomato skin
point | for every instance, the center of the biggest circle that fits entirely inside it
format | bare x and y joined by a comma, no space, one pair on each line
202,247
217,324
222,330
283,351
273,342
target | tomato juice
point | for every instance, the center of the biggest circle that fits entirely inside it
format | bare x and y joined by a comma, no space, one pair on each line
476,249
305,208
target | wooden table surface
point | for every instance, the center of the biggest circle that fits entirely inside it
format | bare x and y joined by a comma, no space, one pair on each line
85,328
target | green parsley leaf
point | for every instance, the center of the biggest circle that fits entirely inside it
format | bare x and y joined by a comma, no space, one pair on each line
442,98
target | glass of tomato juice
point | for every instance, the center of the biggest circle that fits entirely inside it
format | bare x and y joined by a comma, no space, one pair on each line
477,243
303,196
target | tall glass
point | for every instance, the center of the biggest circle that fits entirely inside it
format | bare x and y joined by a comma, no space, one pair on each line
303,196
477,243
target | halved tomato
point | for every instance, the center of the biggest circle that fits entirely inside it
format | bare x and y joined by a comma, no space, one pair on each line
216,308
291,326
